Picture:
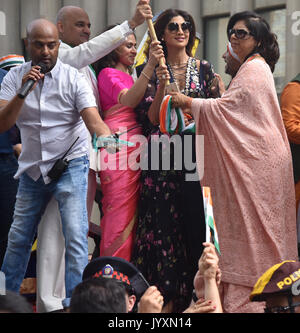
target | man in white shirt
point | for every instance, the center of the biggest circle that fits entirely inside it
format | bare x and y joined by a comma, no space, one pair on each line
52,120
78,51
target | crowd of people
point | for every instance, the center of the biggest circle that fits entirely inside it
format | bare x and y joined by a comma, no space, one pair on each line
153,255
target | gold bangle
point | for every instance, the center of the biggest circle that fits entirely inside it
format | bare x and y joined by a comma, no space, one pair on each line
146,76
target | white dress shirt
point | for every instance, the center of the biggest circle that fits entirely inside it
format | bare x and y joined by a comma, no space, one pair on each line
50,119
83,55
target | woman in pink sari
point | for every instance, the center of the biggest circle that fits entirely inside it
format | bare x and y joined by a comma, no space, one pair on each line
120,174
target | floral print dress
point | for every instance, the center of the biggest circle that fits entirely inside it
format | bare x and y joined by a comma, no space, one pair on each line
171,227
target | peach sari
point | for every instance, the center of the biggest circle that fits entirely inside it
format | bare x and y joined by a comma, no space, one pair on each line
248,166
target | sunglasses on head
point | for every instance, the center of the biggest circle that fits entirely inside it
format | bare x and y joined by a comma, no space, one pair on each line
239,33
185,26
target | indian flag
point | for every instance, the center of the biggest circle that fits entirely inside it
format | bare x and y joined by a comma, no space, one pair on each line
211,228
11,60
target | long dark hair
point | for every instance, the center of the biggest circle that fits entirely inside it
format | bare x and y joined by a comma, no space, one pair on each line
267,46
163,20
110,60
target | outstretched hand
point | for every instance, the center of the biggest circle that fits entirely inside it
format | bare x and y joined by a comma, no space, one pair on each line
218,89
182,101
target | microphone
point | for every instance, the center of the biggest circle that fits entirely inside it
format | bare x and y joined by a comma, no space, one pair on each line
24,91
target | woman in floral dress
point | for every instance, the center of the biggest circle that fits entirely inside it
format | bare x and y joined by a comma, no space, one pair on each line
171,225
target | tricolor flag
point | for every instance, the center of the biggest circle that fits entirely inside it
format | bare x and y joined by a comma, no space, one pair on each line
171,120
211,228
11,60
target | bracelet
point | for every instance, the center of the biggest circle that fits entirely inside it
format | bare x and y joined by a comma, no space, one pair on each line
146,76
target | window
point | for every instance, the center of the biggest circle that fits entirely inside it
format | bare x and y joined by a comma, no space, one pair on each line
2,24
277,20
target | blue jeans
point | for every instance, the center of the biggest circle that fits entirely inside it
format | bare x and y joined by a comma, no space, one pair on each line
8,192
70,192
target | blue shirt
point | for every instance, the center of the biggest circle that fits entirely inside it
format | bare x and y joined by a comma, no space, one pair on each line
5,143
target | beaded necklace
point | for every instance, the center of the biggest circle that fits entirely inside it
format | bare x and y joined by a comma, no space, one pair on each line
193,87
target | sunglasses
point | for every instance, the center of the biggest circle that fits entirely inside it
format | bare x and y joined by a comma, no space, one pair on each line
239,33
185,26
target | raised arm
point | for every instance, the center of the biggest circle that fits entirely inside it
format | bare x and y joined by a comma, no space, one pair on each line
163,76
208,268
98,47
134,95
10,110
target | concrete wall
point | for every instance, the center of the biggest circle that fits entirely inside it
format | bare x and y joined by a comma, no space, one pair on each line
16,14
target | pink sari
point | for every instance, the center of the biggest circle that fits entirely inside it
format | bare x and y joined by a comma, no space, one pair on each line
119,179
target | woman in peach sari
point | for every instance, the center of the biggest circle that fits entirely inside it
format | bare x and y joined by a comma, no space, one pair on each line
248,165
120,177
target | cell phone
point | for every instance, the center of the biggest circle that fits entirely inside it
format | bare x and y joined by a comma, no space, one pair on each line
172,87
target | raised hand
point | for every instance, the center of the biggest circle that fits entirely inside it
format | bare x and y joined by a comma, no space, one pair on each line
143,12
156,52
151,302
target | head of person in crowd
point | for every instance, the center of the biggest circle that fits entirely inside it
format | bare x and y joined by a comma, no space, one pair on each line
99,296
250,34
122,56
14,303
73,25
176,28
279,287
232,61
11,60
121,271
42,43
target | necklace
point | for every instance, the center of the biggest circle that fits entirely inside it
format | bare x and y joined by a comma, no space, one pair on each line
179,73
179,65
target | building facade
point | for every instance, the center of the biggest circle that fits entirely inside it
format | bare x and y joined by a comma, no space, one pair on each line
211,17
